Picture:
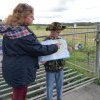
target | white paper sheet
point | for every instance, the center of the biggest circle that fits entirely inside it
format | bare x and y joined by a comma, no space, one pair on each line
60,54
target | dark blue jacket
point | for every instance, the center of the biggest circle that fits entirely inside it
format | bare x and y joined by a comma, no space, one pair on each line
20,59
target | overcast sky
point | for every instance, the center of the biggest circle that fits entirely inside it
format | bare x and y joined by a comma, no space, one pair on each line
47,11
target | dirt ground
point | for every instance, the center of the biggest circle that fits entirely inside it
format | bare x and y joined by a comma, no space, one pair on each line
89,92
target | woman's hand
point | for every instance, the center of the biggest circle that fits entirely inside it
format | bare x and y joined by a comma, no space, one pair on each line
58,45
43,62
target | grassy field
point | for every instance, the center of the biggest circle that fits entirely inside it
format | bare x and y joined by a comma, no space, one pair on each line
82,60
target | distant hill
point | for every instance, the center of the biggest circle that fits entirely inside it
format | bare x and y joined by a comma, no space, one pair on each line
71,24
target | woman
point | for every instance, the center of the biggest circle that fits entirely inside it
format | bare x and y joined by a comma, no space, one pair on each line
21,50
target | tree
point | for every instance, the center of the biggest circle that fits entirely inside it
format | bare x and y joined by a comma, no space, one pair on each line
0,20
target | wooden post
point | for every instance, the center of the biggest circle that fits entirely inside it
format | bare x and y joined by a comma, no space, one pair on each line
98,50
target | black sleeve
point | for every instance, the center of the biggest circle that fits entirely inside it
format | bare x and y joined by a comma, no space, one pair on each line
32,46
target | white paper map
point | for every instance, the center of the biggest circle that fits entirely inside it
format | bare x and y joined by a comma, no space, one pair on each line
61,53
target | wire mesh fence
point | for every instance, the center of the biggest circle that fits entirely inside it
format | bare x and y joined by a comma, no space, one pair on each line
82,47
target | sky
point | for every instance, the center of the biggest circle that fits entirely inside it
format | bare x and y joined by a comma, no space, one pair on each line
47,11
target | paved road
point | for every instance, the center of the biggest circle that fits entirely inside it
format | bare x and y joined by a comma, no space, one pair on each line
89,92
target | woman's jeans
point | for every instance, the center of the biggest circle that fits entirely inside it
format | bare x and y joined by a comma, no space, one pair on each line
56,77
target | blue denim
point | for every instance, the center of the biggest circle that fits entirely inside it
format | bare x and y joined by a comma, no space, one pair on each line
51,78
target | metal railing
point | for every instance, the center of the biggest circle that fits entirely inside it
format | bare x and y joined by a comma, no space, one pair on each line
81,68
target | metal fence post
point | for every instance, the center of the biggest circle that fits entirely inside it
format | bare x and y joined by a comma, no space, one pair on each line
98,51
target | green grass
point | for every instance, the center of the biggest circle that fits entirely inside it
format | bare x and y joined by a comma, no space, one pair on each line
79,59
85,57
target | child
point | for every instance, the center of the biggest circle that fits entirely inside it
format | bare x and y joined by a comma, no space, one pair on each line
54,68
21,50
